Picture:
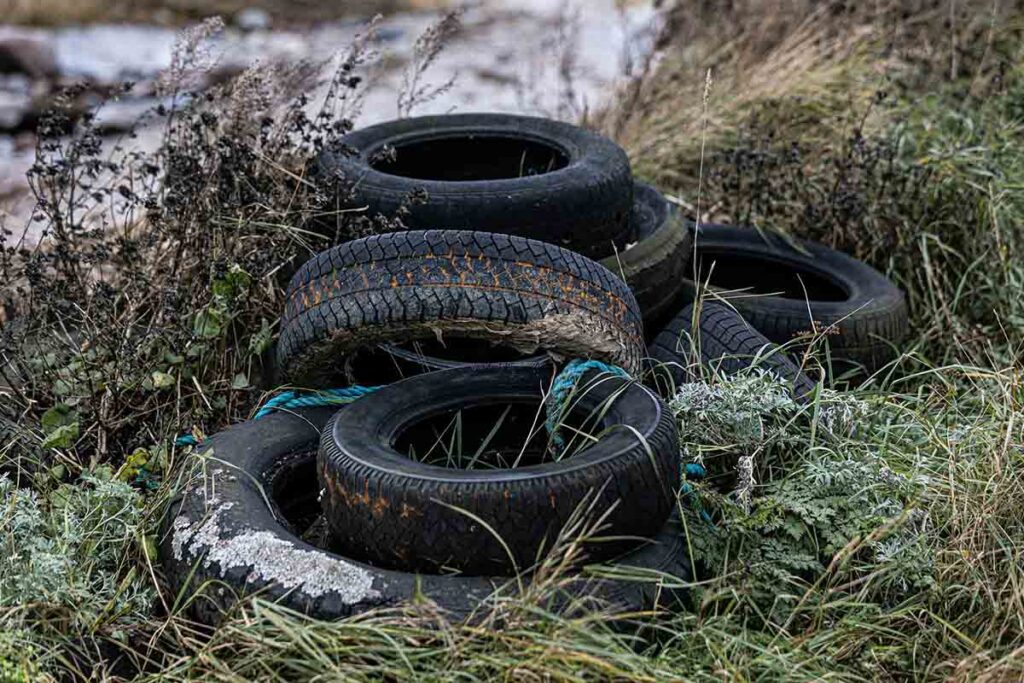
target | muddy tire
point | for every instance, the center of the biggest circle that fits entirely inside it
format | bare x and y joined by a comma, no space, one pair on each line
719,339
401,512
494,291
236,531
516,175
655,265
862,312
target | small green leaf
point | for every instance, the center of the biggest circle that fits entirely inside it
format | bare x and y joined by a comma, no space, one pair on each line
58,416
260,341
62,437
208,324
151,547
62,387
240,381
162,380
103,473
233,284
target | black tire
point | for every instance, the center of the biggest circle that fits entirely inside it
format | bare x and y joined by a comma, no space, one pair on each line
864,312
655,264
723,342
400,512
471,167
509,292
221,540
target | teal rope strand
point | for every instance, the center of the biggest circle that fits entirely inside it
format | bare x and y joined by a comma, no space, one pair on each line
694,471
289,400
561,389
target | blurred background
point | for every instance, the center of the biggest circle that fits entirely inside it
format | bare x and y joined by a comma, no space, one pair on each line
558,59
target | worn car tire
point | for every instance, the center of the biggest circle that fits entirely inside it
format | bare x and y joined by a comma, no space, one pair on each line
494,290
655,264
720,340
400,512
226,537
475,170
864,312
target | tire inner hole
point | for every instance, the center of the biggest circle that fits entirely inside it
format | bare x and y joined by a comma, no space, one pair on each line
463,349
380,365
293,488
471,157
496,435
755,275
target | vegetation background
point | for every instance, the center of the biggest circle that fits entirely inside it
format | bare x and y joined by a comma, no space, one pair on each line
876,534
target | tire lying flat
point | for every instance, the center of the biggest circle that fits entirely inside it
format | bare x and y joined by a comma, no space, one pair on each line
515,175
400,512
719,340
502,291
222,541
864,312
655,266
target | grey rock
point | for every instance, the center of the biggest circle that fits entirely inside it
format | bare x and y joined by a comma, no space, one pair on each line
15,107
252,19
26,52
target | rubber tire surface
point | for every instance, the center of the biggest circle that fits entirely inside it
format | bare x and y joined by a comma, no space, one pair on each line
725,342
584,205
245,547
400,512
655,266
868,323
402,286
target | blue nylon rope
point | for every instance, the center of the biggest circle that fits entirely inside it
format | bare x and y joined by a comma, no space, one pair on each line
287,400
562,387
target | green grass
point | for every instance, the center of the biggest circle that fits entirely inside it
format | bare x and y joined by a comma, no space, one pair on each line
876,534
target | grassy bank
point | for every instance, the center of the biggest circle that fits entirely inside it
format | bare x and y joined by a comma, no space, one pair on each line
876,534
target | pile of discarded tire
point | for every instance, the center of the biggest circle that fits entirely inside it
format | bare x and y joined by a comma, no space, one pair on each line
531,303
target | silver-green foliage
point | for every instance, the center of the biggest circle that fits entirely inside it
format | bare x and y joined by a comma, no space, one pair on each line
790,486
70,553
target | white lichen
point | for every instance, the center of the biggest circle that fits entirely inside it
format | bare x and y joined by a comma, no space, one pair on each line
269,559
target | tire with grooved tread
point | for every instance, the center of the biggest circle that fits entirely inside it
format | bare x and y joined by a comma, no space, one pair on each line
503,290
400,512
483,171
655,265
865,313
233,532
724,342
